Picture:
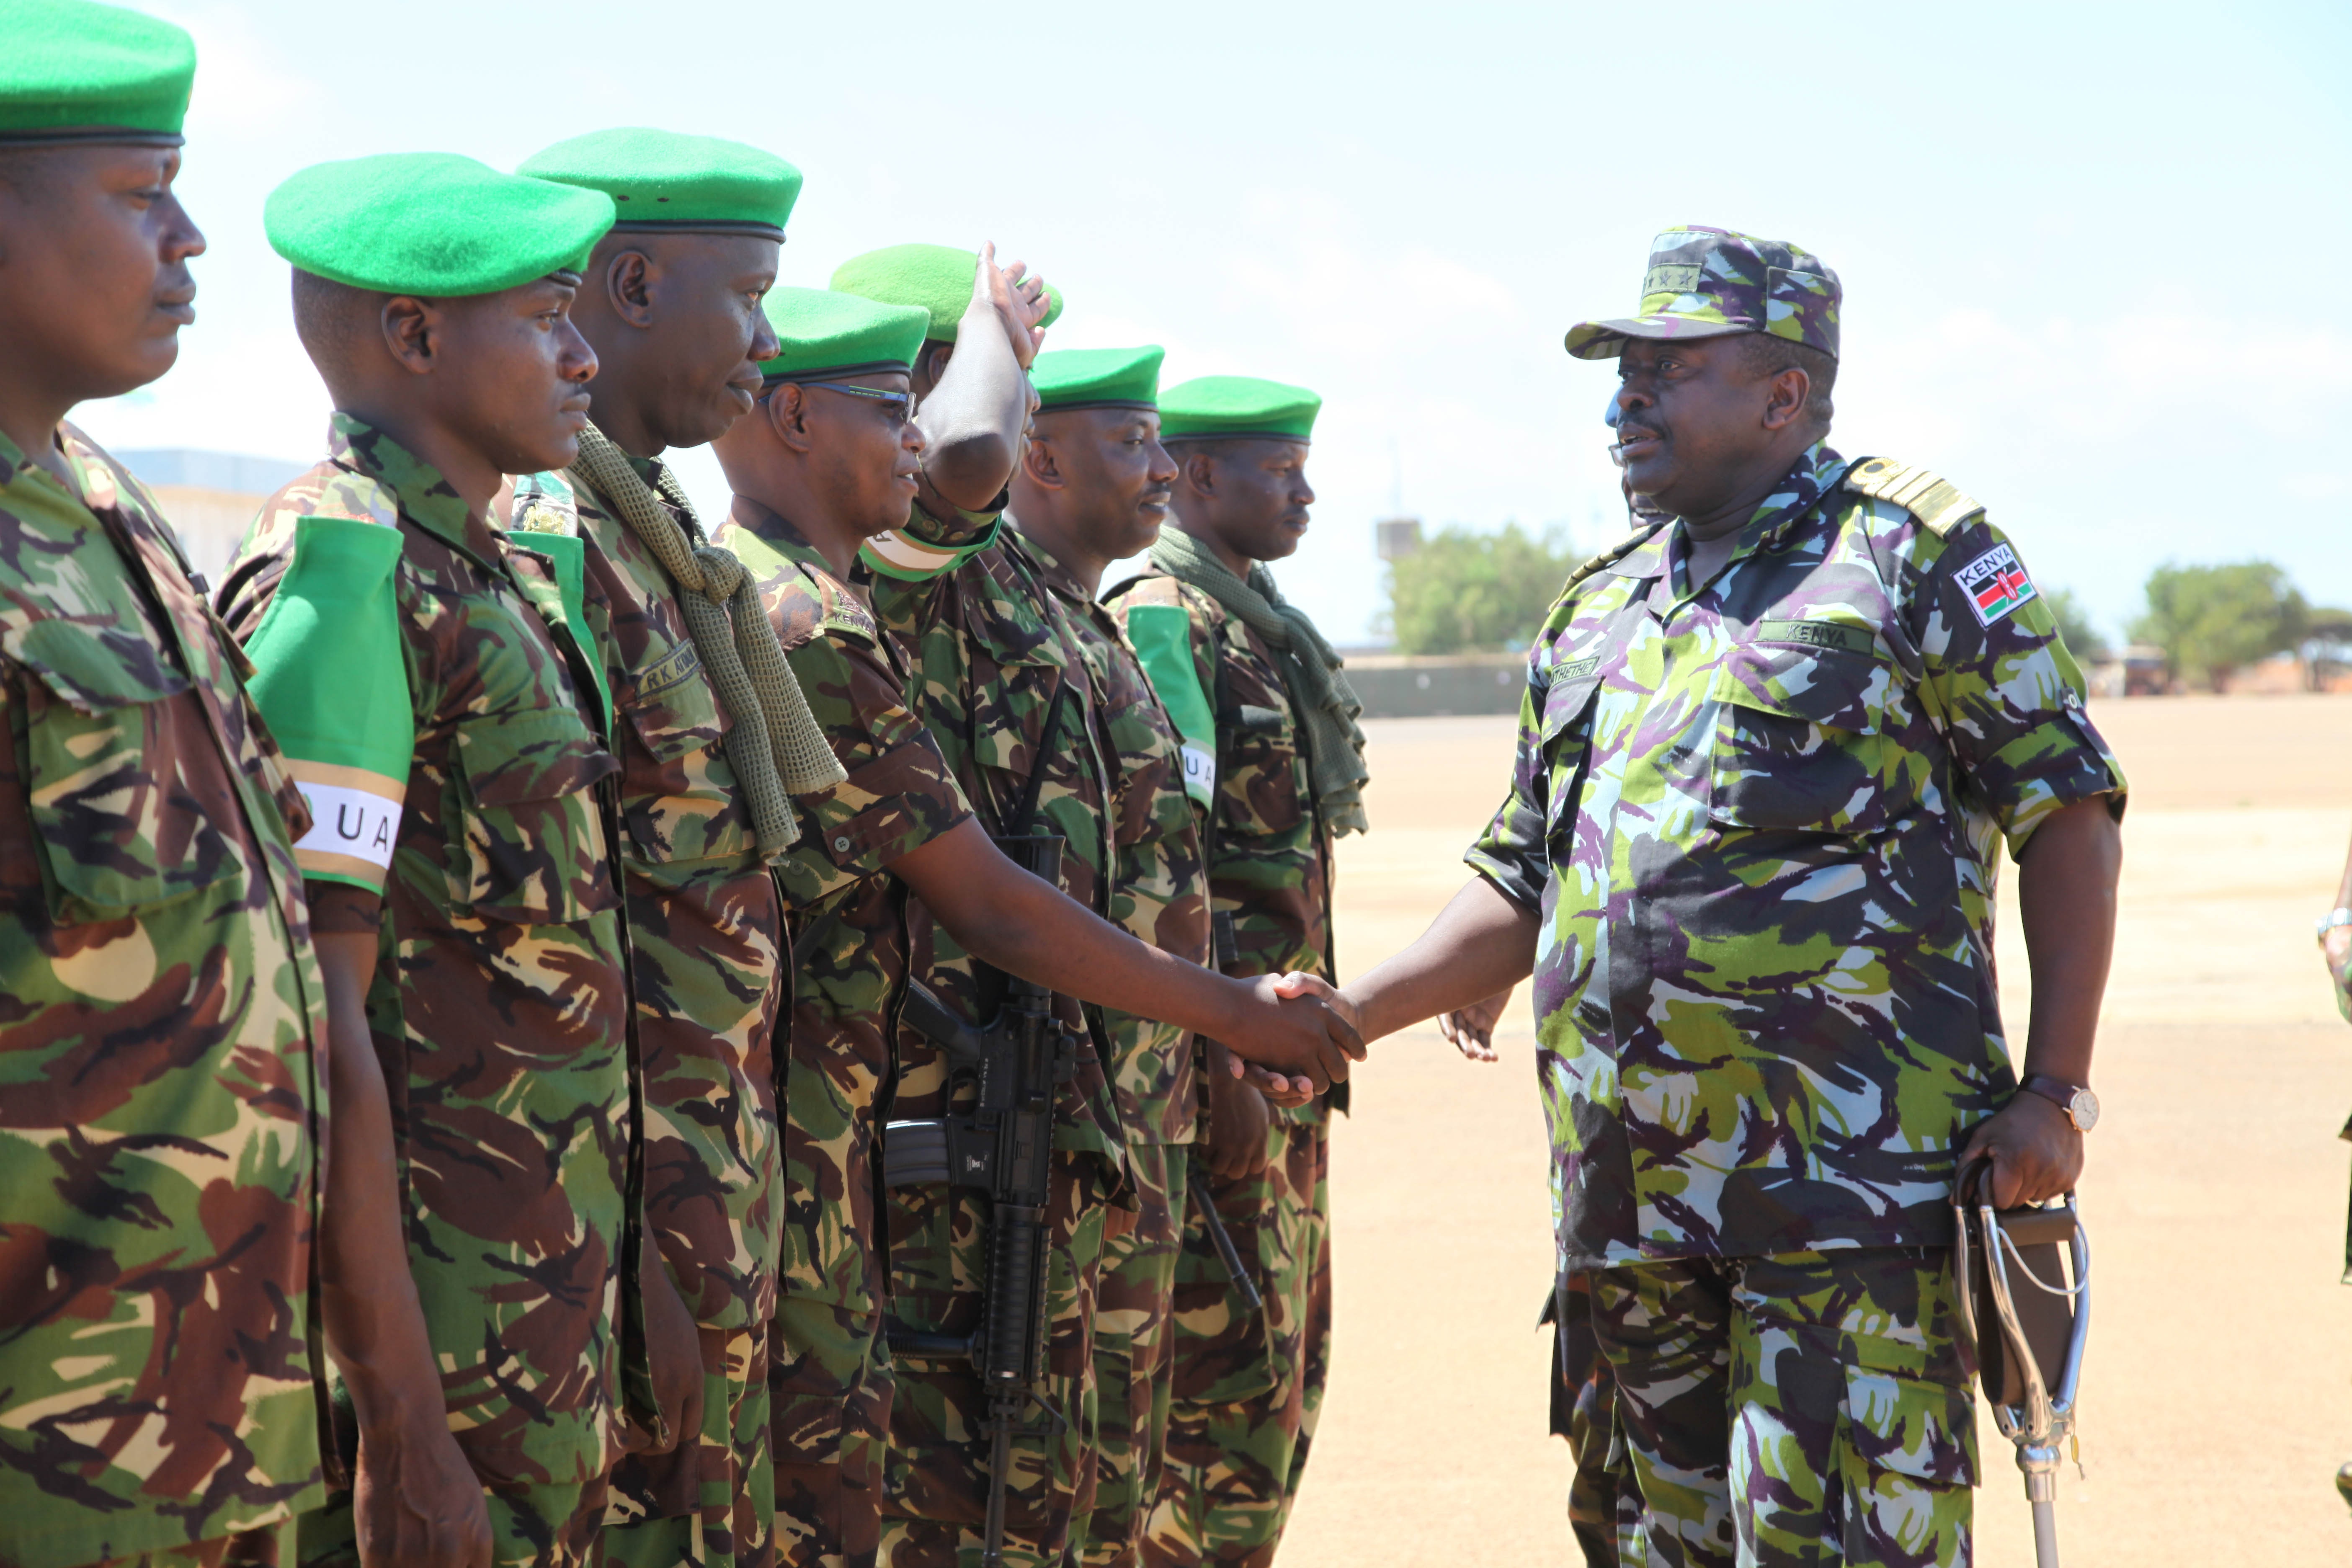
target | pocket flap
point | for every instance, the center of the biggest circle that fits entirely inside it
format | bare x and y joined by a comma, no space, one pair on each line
529,756
1834,687
1571,687
93,667
673,709
1913,1426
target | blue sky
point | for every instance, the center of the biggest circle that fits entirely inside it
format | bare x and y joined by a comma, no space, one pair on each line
2085,247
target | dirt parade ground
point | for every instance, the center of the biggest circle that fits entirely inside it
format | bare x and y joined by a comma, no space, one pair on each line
2218,1396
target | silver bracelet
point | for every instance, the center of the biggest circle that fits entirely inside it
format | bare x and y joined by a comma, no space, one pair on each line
2338,916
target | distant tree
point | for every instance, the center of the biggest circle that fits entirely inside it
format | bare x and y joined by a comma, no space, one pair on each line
1466,592
2327,645
2074,623
2211,620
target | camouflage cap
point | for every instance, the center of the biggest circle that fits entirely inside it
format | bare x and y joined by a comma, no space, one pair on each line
1710,282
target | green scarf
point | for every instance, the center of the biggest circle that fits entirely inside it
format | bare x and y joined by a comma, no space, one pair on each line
1311,672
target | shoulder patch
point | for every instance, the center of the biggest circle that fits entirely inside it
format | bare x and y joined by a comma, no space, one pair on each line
1613,554
1996,584
1939,505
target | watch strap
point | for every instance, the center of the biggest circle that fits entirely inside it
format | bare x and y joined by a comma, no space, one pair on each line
2056,1090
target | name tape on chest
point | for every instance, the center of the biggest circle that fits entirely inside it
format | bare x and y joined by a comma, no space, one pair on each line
1996,584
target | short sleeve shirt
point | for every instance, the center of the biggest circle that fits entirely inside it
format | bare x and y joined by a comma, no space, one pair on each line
1760,821
846,915
1158,890
497,1005
706,932
161,1020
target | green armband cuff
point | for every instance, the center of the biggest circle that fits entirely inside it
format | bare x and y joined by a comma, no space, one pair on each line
1161,636
906,555
331,684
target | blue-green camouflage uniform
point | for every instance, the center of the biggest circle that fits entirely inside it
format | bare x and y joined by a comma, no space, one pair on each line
1759,822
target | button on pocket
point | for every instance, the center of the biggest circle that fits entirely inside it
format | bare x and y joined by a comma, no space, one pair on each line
131,802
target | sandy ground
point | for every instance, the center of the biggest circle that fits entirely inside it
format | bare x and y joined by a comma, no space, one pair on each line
2215,1406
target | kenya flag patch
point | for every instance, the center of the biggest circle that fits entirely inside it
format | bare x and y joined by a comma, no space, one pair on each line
1995,583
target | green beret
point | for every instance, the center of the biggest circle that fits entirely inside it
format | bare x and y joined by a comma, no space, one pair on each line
433,223
825,333
1209,407
936,277
74,72
662,179
1097,378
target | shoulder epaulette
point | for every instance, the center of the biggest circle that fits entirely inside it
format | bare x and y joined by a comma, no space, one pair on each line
1613,554
1939,505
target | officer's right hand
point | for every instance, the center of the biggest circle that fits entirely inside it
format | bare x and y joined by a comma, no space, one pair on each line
415,1502
1295,1024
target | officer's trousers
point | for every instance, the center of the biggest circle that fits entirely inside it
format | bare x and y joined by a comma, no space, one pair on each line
1805,1407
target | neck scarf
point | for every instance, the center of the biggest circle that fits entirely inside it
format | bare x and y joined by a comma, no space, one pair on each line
775,743
1320,694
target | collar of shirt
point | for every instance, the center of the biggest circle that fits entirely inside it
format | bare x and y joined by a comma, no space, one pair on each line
1057,577
427,499
1813,475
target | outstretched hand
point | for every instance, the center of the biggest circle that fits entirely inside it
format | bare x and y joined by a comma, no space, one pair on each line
1019,301
2035,1150
1470,1030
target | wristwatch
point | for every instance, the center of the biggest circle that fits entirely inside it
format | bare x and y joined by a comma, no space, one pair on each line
2081,1106
2338,916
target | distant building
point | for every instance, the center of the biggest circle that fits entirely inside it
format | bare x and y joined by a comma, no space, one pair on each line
209,498
1399,537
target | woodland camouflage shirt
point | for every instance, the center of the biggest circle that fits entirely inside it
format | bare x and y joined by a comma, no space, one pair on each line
161,1031
499,1003
1760,821
847,917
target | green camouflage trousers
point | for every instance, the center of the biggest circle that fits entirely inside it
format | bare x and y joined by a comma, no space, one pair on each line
1807,1408
935,1474
530,1527
1247,1388
711,1504
1582,1396
829,1380
1135,1360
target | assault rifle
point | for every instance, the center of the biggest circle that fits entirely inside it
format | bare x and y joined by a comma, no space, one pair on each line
1003,1145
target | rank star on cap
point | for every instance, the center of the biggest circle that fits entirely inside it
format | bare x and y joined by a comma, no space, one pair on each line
1996,584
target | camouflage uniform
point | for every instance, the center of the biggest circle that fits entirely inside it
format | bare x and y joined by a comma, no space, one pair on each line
832,1375
1759,824
706,945
1249,1387
499,1003
1158,892
162,1027
988,648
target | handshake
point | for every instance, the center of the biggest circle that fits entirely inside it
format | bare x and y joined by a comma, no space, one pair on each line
1292,1037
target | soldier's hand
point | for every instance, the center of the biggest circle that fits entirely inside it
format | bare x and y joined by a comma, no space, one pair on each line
673,1353
2335,947
1296,1025
1019,301
1238,1121
1471,1031
415,1502
2035,1150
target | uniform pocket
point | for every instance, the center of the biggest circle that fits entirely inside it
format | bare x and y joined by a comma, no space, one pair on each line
1908,1465
1798,744
533,839
1261,771
131,803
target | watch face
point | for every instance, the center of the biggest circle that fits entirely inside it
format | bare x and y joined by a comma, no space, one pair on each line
2085,1107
